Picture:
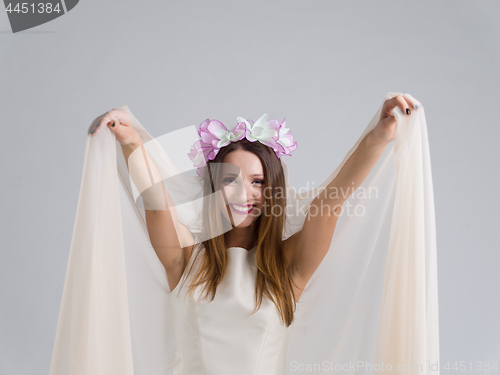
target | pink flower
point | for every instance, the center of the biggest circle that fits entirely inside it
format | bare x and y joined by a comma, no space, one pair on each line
286,145
214,135
199,155
214,132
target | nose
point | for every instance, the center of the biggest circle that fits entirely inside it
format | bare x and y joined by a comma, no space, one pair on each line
243,193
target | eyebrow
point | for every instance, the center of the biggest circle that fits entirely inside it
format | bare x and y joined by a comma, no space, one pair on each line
235,175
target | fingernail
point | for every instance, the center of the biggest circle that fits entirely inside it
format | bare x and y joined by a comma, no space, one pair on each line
113,124
407,111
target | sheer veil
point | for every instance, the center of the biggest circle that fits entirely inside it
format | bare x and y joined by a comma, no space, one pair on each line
370,307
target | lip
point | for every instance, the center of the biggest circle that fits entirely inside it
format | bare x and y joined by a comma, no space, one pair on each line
235,208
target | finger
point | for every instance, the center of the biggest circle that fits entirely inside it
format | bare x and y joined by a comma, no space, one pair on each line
409,103
110,117
121,116
112,123
95,126
106,118
401,103
415,104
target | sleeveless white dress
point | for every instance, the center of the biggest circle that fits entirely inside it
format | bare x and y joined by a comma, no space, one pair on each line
220,336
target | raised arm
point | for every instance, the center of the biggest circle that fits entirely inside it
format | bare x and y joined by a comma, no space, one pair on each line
306,249
171,240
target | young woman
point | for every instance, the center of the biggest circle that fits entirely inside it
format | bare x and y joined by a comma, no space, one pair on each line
244,282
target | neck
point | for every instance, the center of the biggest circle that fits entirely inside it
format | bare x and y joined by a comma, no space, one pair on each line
241,237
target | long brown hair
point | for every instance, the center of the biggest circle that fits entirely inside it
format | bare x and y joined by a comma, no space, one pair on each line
273,273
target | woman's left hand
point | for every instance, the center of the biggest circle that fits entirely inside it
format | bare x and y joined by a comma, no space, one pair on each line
385,130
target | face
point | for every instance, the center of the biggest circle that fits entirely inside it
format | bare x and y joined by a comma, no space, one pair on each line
242,183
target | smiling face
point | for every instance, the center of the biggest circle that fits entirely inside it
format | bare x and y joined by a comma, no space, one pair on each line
242,183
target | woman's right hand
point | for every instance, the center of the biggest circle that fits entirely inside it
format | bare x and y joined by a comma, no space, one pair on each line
119,122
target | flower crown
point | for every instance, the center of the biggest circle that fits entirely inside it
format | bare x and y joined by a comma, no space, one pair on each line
214,135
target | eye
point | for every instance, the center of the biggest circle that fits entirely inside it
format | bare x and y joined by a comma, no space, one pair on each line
228,180
260,182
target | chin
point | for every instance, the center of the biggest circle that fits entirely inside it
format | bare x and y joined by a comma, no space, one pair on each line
246,223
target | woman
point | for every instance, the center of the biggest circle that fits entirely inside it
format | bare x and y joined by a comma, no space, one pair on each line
244,275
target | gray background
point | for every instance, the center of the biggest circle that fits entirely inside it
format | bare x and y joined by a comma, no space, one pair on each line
323,65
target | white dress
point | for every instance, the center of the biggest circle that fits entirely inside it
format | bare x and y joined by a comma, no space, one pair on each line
220,336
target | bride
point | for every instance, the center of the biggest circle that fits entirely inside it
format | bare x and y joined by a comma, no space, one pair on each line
245,167
239,279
